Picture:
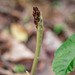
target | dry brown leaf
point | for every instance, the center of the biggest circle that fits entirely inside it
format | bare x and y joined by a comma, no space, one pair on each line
18,52
18,32
51,42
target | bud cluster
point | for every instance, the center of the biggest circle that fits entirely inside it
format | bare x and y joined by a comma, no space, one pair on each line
36,15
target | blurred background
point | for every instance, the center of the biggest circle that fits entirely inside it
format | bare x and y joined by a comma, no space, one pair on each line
18,34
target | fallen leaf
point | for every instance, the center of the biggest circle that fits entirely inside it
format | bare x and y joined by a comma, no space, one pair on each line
18,32
18,52
50,44
51,41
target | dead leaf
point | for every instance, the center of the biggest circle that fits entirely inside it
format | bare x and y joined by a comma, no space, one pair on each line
18,32
18,52
51,41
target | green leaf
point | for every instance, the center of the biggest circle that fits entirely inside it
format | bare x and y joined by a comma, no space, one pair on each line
19,68
58,28
64,61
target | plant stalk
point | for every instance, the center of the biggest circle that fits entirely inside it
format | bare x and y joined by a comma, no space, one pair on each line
38,45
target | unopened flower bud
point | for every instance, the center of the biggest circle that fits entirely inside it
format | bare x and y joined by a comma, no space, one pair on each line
35,8
36,15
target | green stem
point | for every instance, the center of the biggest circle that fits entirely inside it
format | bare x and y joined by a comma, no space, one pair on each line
38,46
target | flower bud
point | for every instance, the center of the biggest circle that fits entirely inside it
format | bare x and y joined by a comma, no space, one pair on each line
35,8
36,15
